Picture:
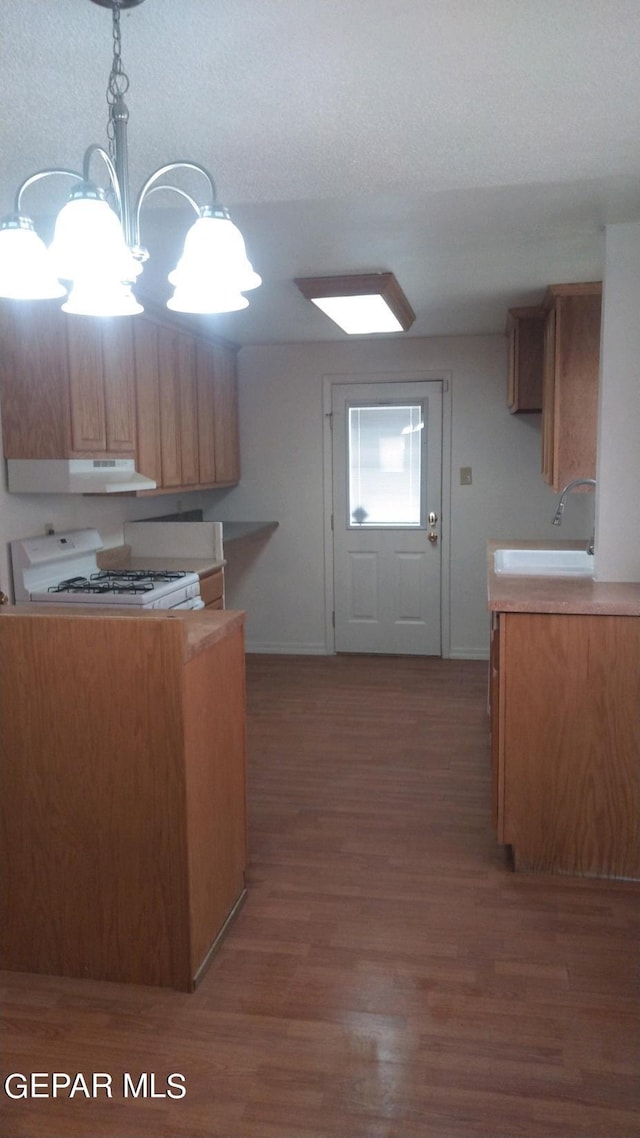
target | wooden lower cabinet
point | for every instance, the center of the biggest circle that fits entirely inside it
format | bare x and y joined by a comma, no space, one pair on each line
212,589
124,840
565,732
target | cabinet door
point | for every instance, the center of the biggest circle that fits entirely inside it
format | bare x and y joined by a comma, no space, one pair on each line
572,369
86,386
217,414
147,399
119,398
571,743
206,372
34,383
548,396
525,329
178,411
188,409
227,444
100,357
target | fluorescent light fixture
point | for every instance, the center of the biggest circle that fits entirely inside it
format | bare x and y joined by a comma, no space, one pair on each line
365,304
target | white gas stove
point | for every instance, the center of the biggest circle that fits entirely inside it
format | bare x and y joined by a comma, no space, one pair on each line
62,568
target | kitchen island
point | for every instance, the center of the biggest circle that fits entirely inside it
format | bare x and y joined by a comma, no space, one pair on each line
123,748
565,720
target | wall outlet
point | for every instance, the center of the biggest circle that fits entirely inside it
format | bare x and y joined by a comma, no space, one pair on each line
465,476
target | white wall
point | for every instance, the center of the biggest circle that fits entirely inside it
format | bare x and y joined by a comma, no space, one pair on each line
280,580
618,494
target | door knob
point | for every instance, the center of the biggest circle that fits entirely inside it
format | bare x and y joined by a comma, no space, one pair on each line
432,537
4,600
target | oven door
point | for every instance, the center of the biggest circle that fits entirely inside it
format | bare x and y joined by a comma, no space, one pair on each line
188,603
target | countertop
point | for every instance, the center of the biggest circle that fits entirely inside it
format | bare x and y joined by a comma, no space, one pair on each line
234,531
573,595
200,627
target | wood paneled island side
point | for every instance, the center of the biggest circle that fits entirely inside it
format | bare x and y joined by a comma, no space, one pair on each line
124,836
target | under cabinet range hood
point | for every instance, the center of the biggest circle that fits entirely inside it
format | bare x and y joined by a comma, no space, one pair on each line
75,476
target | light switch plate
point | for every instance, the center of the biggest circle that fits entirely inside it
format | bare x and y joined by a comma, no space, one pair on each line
465,476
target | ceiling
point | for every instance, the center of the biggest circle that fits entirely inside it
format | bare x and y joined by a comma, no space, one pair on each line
476,148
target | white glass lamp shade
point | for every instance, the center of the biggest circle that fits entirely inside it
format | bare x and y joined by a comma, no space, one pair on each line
25,268
214,259
88,241
206,301
93,297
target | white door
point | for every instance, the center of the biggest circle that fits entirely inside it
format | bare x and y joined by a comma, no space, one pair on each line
387,458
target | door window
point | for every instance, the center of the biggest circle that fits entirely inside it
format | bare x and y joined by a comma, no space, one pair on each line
385,447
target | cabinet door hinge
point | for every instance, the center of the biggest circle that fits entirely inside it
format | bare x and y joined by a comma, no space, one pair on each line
332,523
333,619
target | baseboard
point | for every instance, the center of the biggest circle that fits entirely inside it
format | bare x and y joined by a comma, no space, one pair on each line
469,654
290,649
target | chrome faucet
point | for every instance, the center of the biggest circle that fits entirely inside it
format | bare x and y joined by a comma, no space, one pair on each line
557,517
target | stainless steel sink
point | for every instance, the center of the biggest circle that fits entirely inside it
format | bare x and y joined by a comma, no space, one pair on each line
544,562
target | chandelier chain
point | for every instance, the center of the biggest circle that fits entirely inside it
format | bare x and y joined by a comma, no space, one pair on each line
118,83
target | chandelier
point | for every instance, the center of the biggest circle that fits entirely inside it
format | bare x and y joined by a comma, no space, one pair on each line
96,254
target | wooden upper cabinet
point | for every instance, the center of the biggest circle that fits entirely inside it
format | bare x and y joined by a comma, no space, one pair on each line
119,384
86,382
186,407
34,380
571,382
101,379
145,347
217,413
226,418
143,387
66,384
525,331
178,409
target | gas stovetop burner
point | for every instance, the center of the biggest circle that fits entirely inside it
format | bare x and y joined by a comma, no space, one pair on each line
118,581
154,576
95,584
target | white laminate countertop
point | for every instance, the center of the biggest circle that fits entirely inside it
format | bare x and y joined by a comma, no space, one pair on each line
572,595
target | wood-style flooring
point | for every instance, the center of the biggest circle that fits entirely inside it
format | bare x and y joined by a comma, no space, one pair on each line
388,976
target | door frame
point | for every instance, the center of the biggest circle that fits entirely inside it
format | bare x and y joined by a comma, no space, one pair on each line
372,378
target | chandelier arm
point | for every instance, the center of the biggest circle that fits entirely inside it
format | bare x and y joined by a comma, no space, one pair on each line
111,170
176,190
149,185
36,178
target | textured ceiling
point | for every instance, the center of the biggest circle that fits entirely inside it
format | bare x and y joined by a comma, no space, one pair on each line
474,147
